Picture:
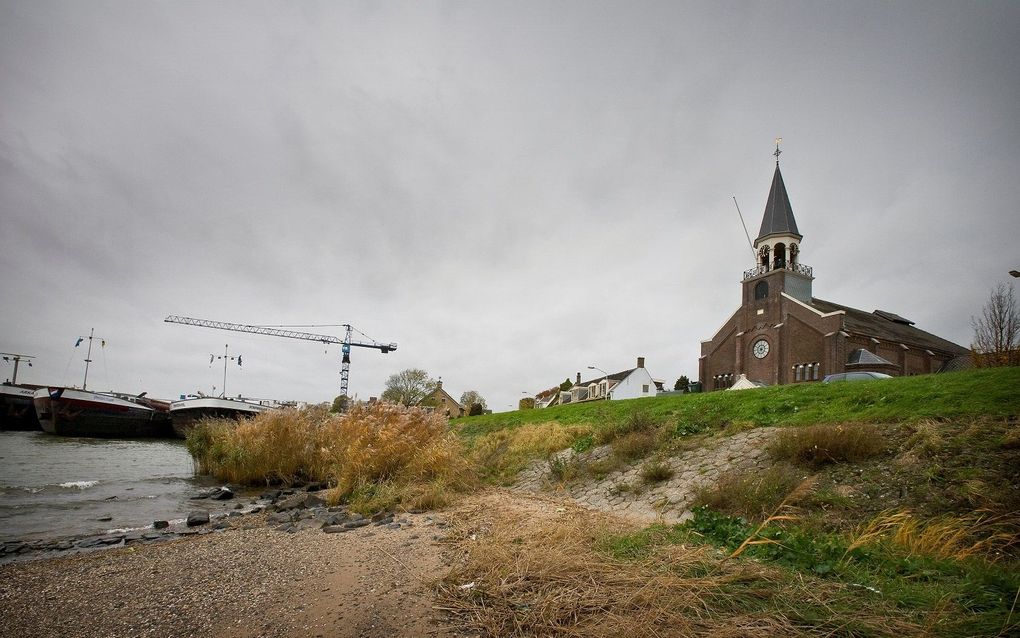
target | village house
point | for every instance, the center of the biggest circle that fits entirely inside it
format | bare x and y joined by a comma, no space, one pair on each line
782,333
440,401
628,384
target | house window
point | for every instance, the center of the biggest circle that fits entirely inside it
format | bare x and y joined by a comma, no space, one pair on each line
644,389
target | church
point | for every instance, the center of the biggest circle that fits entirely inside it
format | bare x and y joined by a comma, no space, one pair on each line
783,334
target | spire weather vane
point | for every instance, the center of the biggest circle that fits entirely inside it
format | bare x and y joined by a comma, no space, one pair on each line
778,152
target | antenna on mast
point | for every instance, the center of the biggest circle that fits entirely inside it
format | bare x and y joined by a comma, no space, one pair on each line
754,256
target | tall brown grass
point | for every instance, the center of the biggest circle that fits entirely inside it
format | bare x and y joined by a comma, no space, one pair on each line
502,454
751,494
977,534
375,455
529,571
819,445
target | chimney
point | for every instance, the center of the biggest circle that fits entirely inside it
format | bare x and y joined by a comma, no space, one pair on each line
578,379
640,362
439,384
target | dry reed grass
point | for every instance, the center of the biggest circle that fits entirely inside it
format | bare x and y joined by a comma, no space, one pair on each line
539,572
503,453
978,535
751,494
635,445
380,453
819,445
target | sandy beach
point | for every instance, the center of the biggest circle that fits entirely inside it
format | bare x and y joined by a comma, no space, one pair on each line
251,580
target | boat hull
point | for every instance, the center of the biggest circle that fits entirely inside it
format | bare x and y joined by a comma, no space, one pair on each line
71,412
186,413
17,411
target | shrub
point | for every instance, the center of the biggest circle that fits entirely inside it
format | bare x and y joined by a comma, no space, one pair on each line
563,469
637,421
819,445
656,472
634,445
583,444
752,495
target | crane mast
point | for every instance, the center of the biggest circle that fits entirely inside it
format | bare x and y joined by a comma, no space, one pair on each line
346,342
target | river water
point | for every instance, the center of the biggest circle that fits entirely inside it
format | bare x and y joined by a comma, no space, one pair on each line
54,486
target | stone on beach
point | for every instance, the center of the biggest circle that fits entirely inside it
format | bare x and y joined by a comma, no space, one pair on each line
198,518
222,494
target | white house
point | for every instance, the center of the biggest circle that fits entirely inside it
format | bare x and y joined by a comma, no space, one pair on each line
628,384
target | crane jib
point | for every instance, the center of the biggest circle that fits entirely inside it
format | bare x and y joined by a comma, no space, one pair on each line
345,342
276,332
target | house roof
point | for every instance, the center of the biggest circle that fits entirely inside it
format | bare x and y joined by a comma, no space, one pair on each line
880,325
439,393
545,394
778,218
616,376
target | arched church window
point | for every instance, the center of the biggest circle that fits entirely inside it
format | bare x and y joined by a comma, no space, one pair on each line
763,255
780,256
761,290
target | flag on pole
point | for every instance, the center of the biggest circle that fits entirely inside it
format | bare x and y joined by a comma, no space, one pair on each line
78,342
238,361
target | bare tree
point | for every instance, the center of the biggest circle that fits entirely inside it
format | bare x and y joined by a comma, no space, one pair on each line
408,387
471,398
997,330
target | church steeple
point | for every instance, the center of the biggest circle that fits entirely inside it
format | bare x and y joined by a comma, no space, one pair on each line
778,244
778,218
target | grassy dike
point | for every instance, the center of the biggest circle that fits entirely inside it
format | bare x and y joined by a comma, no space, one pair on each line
892,508
889,508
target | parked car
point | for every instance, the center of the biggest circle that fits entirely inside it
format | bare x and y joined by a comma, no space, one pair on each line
854,376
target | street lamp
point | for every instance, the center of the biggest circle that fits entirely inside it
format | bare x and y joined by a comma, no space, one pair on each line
605,378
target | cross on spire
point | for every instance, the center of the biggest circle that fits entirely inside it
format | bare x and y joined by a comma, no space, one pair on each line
778,152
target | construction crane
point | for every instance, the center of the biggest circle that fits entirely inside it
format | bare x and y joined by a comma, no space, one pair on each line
345,343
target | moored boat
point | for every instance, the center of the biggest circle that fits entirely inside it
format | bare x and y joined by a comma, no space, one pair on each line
16,409
73,412
187,412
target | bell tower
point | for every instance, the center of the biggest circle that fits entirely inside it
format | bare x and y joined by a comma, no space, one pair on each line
777,248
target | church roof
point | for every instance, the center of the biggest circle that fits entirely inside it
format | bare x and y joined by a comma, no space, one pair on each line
778,218
880,325
862,357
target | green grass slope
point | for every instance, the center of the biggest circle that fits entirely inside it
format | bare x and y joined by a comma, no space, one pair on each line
986,393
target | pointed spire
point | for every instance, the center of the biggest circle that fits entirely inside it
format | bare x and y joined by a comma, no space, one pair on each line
778,218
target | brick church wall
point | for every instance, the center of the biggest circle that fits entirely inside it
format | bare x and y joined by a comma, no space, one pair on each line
805,347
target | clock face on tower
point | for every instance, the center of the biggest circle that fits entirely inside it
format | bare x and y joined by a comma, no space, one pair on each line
760,348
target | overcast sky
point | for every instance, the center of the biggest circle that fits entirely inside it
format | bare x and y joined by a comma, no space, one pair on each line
511,191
